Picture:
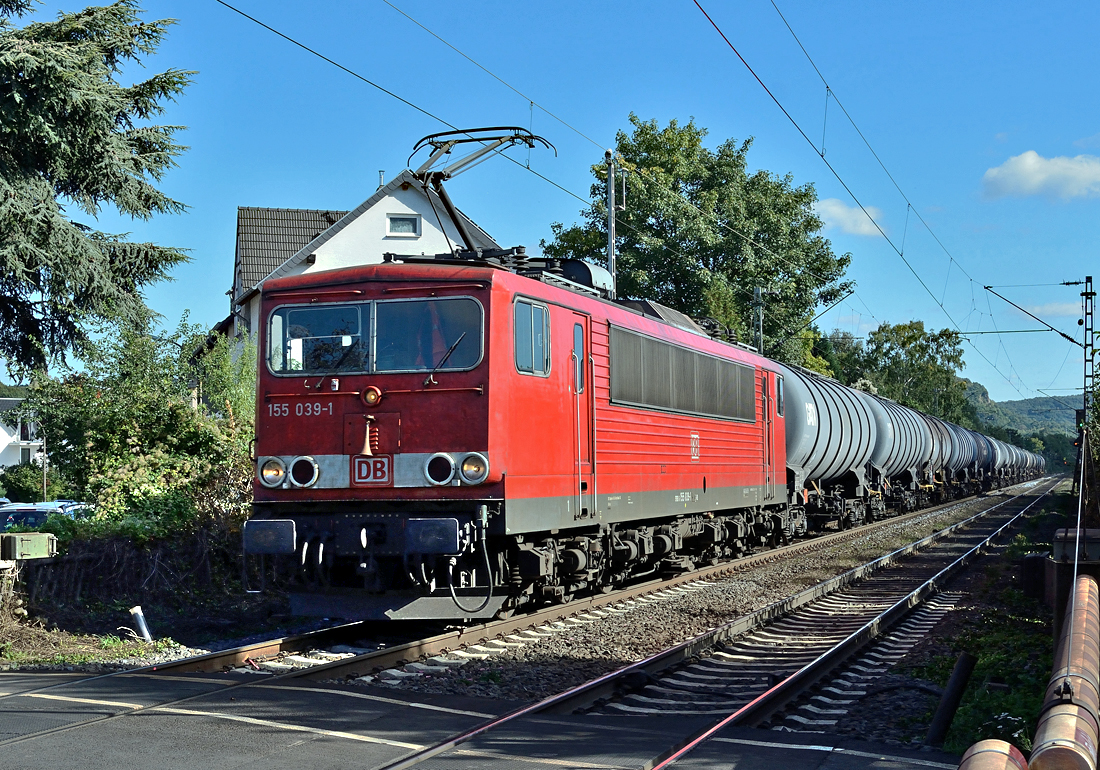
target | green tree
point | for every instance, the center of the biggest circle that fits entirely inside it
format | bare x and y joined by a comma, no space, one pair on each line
918,368
155,429
22,483
700,232
73,138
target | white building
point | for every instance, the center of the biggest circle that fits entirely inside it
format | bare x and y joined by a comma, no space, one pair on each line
401,217
18,442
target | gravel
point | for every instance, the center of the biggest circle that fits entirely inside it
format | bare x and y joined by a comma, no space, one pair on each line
631,631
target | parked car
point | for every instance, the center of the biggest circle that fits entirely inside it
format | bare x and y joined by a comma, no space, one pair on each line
33,515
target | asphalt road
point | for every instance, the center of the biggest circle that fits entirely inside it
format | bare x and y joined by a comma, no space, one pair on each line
215,722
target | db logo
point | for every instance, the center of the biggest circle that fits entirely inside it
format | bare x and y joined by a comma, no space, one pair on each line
695,447
370,470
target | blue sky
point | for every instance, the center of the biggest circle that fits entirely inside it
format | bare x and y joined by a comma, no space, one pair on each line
984,113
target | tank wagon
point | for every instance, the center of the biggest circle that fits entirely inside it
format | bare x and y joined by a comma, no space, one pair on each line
462,435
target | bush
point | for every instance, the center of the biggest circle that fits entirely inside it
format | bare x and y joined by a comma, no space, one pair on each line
23,483
149,432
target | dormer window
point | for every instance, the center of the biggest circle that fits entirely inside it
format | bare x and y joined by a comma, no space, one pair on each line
403,225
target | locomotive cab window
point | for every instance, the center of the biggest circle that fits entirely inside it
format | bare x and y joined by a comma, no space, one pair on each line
327,338
532,327
408,335
416,335
779,395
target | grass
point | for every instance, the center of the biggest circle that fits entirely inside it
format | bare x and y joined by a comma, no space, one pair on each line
1010,633
31,644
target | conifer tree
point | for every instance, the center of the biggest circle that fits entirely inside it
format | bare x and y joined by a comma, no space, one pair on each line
75,138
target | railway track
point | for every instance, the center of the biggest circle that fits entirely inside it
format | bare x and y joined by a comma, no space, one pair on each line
306,656
486,638
355,649
784,649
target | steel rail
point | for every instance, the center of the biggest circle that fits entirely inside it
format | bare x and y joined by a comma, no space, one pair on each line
567,700
266,681
782,693
417,650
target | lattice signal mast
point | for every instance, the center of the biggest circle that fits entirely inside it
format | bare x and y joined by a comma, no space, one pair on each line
1090,348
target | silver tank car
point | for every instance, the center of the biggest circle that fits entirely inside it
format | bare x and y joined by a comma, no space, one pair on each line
830,428
983,458
904,440
963,449
941,445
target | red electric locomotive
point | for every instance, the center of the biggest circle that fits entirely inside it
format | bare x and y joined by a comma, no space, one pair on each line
459,436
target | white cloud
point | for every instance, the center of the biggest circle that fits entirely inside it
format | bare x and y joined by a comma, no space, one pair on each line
847,219
1056,310
1088,141
1032,174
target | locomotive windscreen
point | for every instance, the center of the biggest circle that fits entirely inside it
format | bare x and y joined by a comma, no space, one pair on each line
407,335
317,339
417,334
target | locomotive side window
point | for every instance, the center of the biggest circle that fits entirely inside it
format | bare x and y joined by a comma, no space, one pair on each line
316,339
532,338
418,335
779,395
652,373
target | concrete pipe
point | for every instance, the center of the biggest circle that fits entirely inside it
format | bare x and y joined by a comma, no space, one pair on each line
993,754
1066,736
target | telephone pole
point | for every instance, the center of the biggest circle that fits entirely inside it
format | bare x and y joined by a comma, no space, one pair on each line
758,308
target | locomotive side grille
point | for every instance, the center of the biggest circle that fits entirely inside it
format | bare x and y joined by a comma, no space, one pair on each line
683,380
706,384
656,374
652,373
626,376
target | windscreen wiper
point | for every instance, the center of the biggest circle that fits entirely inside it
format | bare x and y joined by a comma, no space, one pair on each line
336,368
428,380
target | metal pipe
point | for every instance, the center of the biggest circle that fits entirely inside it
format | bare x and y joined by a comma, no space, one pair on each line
1067,731
993,754
139,620
949,702
452,212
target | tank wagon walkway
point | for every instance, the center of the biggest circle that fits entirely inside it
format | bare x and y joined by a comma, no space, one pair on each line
292,726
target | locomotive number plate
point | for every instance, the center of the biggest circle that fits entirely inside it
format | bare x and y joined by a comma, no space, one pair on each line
371,470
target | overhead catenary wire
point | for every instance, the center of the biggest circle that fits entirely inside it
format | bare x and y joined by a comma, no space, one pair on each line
677,196
527,167
849,190
1037,318
909,206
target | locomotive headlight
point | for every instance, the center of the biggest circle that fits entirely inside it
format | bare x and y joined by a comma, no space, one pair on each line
371,395
304,472
474,468
440,469
272,472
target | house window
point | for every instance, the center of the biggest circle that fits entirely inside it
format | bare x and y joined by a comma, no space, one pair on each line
403,225
24,455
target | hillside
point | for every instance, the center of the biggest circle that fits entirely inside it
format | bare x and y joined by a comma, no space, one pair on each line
1026,415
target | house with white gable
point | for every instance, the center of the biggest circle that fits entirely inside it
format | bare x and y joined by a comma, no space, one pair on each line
404,216
18,440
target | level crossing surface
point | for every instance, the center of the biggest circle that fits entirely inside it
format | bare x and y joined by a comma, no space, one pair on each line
120,722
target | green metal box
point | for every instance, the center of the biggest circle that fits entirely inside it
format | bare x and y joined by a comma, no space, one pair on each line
28,545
